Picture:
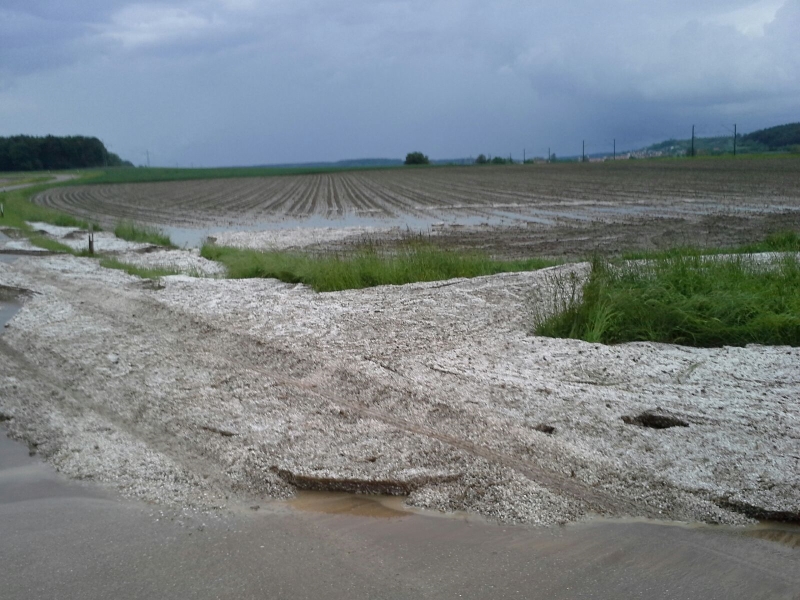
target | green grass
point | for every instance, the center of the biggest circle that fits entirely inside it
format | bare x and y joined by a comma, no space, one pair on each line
126,230
784,241
143,272
364,267
49,243
684,299
155,174
19,209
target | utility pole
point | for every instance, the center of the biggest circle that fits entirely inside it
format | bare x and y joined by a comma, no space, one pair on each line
734,139
583,151
692,154
548,154
523,156
615,148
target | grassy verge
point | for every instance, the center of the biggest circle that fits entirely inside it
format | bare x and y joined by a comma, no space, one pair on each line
143,272
49,244
19,209
363,268
785,241
685,299
131,232
155,174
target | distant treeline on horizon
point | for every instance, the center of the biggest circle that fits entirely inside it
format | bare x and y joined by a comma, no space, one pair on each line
31,153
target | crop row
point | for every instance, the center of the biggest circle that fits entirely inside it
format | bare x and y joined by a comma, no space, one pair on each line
539,194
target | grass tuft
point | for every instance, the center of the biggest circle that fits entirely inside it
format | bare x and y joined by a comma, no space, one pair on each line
143,272
685,299
127,230
49,243
364,267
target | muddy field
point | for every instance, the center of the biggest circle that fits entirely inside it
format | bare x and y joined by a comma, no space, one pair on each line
554,210
196,392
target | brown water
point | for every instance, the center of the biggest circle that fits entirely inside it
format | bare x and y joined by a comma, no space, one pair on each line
357,505
373,506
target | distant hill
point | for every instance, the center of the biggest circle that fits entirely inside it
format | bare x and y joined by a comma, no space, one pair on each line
782,137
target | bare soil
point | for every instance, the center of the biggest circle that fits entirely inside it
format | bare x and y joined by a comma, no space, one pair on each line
548,210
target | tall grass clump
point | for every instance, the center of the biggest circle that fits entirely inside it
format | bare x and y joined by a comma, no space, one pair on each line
132,232
688,299
143,272
365,267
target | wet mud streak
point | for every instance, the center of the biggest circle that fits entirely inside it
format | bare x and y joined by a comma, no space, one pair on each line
386,487
655,420
759,513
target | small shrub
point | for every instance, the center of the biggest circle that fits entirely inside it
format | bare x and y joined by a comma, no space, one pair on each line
143,272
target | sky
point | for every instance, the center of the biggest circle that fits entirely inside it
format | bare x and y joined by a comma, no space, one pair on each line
247,82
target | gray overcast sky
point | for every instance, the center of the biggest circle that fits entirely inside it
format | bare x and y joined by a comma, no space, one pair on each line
237,82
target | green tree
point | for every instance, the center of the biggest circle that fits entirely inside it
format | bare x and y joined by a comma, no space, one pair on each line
417,158
481,160
29,153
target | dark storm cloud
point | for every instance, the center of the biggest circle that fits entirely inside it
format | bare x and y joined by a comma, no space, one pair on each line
245,81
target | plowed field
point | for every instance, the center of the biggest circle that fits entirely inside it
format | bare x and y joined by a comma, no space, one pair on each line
701,198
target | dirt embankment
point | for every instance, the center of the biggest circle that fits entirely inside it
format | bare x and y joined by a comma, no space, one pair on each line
204,389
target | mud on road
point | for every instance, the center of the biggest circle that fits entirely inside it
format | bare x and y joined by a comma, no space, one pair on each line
195,392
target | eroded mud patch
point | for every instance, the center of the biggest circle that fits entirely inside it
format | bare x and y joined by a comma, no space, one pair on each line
655,419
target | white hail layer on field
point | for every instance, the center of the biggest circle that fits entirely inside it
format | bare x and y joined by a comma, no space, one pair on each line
216,382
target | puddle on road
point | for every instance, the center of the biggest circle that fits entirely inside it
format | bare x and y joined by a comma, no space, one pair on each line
781,533
343,503
372,506
786,534
8,308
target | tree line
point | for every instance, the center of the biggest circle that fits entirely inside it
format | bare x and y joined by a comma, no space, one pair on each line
782,137
31,153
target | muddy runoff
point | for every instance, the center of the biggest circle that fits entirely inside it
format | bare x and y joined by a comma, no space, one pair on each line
62,538
202,393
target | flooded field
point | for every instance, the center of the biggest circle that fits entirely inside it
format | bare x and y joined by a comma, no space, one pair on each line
558,209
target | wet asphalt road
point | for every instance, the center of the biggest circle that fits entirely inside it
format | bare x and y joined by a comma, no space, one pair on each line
65,539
